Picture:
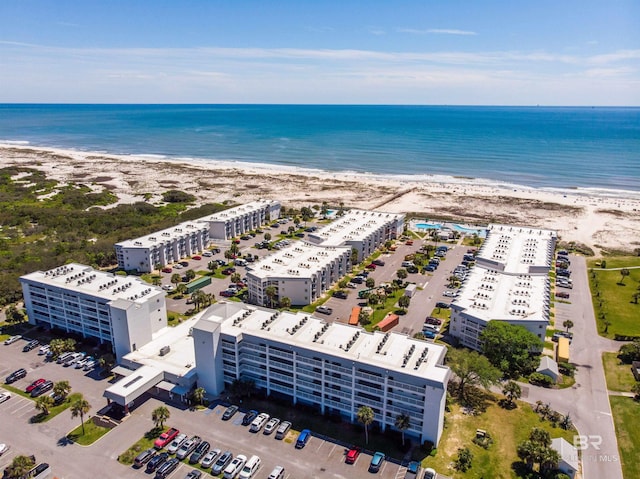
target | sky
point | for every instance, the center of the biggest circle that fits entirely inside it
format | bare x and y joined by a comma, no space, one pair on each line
490,52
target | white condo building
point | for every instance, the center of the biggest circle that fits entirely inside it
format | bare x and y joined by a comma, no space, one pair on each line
76,298
363,230
192,237
510,283
335,367
301,272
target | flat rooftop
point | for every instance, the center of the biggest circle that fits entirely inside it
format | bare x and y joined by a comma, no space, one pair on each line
84,279
393,351
518,248
488,294
298,260
164,236
238,211
354,225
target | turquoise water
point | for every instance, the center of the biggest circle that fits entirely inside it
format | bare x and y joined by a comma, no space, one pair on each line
481,232
539,147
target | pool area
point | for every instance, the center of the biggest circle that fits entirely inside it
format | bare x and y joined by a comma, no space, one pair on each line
423,226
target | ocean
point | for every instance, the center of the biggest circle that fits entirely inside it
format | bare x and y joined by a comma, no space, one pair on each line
542,147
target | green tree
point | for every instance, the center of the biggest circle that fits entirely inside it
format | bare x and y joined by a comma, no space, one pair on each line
404,302
267,236
512,392
271,292
235,277
212,266
159,415
176,278
324,210
365,417
181,288
198,395
106,361
402,274
567,324
44,404
355,255
62,389
510,348
472,370
403,422
190,274
59,346
624,272
464,459
370,282
14,315
343,283
20,466
635,389
79,408
364,318
285,303
234,248
537,450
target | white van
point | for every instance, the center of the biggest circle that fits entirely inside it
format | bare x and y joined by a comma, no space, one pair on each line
250,468
235,467
12,339
259,422
63,357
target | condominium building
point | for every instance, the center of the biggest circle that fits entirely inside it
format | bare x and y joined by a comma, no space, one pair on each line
122,310
509,283
301,272
191,237
335,367
241,219
362,230
162,247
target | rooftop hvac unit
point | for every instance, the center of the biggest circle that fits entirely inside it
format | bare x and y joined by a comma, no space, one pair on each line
164,350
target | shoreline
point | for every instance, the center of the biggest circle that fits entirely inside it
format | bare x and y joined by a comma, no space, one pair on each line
598,218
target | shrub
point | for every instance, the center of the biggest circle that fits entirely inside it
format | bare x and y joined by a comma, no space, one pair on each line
540,379
629,352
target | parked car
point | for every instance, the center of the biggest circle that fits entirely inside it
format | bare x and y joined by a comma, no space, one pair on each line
209,459
12,339
432,320
167,468
14,376
357,280
222,463
429,473
340,295
250,467
303,438
324,310
4,448
177,266
144,457
30,345
442,305
188,447
42,388
413,470
370,266
249,416
184,263
90,365
376,461
166,437
259,422
156,461
176,443
199,452
44,349
430,268
35,384
352,455
429,334
562,294
207,254
5,396
378,262
167,269
283,429
234,468
196,257
228,271
449,293
277,473
194,474
271,425
229,412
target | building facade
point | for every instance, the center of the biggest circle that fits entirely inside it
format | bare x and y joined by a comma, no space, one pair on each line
334,367
301,272
122,310
239,220
510,282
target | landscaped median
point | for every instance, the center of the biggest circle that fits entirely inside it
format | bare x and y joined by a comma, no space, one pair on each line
53,410
87,434
146,442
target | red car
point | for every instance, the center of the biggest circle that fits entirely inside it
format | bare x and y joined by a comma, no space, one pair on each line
228,271
352,455
35,384
196,257
371,266
167,270
166,437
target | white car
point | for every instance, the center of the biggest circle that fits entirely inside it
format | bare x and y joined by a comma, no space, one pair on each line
176,443
90,364
168,287
4,396
177,266
450,294
12,339
259,422
43,350
271,426
234,468
3,448
210,458
207,253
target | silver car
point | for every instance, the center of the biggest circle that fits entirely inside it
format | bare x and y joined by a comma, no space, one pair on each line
176,443
210,458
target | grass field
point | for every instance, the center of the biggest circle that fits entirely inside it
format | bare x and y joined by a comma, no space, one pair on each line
92,433
619,376
507,428
613,299
146,442
626,415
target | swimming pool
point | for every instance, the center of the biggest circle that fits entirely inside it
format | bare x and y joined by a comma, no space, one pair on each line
481,232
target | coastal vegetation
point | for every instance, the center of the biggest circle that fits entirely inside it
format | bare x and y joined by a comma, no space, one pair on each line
615,292
46,223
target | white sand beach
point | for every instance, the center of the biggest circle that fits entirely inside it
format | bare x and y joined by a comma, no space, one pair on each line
598,219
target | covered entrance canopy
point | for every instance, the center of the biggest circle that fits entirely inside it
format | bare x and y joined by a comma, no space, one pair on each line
134,385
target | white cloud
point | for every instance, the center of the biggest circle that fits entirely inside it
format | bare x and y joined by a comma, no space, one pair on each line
439,31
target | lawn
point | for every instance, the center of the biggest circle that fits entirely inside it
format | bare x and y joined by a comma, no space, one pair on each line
613,300
626,415
146,442
92,433
619,375
507,428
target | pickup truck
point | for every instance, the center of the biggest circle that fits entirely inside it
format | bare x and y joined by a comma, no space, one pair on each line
166,438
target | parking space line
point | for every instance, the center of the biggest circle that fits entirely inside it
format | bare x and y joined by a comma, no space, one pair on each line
25,405
332,449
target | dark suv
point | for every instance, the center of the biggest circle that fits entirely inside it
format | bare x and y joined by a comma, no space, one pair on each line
167,468
199,452
229,412
14,376
249,417
156,461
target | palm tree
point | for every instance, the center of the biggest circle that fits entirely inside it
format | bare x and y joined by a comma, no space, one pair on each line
401,274
159,415
404,302
62,389
198,395
365,417
512,391
370,282
212,266
44,403
568,324
267,236
271,293
403,421
20,466
175,278
527,452
235,277
285,303
181,288
234,248
624,272
80,407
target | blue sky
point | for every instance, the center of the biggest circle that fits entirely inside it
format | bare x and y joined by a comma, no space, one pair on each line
567,52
